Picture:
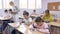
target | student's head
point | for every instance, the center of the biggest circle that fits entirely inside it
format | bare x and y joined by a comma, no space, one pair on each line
34,10
47,12
11,3
6,11
10,10
39,21
26,14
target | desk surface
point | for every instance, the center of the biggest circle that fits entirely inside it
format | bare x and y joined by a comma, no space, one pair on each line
55,24
34,15
2,18
25,29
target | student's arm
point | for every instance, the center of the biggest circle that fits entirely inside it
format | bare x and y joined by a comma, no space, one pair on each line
31,26
11,16
50,19
45,30
43,17
30,20
17,9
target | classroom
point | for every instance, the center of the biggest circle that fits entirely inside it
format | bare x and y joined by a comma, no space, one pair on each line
29,17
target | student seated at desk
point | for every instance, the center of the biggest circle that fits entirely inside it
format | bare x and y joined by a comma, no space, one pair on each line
5,21
34,12
6,13
47,17
10,10
39,25
27,19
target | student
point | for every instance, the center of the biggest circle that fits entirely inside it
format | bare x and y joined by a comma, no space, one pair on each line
47,17
27,19
10,11
6,21
15,8
6,13
34,12
39,25
11,15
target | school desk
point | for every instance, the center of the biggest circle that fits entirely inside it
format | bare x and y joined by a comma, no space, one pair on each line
24,29
4,22
55,27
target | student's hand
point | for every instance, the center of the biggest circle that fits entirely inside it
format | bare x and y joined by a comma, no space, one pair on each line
28,24
37,29
32,29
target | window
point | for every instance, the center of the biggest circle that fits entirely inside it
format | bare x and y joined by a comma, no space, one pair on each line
38,4
6,3
0,4
30,4
23,4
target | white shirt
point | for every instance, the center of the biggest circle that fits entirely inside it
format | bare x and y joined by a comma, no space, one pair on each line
15,9
11,16
29,20
7,15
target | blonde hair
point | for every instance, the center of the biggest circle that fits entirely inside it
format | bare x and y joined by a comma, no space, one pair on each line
11,3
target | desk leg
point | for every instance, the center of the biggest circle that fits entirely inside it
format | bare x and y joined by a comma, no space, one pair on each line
17,32
10,29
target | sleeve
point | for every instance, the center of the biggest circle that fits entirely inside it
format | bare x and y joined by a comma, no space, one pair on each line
50,19
30,19
31,26
45,30
15,9
46,26
43,17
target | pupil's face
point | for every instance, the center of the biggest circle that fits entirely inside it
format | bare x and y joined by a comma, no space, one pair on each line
40,23
25,16
46,13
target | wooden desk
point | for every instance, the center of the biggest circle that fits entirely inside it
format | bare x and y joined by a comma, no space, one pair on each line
55,24
4,22
55,28
7,18
35,15
26,31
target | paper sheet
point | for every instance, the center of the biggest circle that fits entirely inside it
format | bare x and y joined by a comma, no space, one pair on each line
22,28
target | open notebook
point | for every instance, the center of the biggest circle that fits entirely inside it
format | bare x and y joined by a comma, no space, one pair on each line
22,28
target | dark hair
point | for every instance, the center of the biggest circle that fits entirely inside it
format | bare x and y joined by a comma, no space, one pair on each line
6,10
25,13
38,19
34,10
47,11
10,9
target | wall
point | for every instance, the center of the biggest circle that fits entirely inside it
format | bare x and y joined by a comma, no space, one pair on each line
44,6
45,2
